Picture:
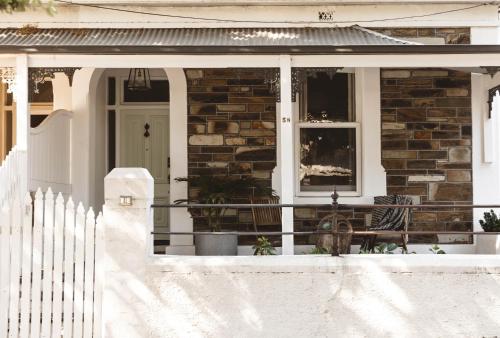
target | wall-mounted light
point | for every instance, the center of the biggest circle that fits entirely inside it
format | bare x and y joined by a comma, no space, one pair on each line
126,201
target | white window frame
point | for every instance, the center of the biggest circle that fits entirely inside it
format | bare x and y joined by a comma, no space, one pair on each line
354,106
327,125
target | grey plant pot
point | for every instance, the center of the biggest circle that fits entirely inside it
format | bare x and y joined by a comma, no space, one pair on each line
216,245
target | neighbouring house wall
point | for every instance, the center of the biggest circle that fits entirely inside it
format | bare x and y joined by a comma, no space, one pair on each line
231,130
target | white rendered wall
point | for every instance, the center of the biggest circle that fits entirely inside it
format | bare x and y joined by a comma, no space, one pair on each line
485,139
368,15
314,296
283,296
62,92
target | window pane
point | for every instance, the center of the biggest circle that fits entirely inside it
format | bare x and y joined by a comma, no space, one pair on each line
111,91
328,159
329,98
36,120
45,93
111,139
159,92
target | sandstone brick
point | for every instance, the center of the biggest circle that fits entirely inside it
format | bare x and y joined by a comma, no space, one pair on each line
399,154
426,178
240,167
263,125
460,154
421,164
217,164
398,74
206,140
231,108
392,126
202,109
411,114
422,135
207,98
194,73
457,92
433,155
216,127
197,128
450,192
307,213
261,174
254,154
235,141
459,175
423,145
257,132
429,73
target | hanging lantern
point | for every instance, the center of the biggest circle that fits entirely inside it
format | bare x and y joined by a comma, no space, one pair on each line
139,79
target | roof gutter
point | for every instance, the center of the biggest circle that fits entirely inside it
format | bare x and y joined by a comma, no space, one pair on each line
293,50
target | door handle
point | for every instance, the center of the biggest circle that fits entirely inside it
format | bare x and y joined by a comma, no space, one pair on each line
146,127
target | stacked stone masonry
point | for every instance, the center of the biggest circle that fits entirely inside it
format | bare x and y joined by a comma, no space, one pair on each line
231,131
426,138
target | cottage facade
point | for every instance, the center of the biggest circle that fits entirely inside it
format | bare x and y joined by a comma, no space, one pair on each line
370,97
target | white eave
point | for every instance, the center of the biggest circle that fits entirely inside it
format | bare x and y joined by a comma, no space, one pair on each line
204,3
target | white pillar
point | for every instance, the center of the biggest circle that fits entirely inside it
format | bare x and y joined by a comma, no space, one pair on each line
179,219
62,92
369,115
82,166
22,116
127,243
286,152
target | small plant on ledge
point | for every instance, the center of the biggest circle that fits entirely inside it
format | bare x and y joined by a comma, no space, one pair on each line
263,247
491,223
382,248
435,249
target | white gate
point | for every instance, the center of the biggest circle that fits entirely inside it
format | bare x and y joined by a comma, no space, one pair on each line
50,268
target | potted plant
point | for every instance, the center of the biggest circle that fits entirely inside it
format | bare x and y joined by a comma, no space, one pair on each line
219,190
489,244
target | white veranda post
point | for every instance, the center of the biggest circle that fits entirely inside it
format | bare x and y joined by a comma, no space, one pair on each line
286,153
22,115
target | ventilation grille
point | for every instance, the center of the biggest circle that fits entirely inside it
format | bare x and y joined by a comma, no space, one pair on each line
326,16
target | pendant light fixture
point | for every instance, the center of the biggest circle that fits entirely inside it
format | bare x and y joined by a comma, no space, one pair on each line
139,79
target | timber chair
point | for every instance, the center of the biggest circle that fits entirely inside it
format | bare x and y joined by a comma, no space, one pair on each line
266,217
388,219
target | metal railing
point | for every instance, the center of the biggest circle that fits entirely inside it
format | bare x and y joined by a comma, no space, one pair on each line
335,208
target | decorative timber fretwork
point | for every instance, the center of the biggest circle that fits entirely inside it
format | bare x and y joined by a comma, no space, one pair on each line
300,75
40,75
8,76
492,92
491,70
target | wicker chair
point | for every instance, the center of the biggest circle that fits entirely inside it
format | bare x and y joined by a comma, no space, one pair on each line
388,219
266,217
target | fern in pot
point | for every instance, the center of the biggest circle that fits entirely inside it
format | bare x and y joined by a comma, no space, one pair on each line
489,244
219,190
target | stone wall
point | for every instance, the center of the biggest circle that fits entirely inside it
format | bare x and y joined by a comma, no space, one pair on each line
232,131
426,142
426,135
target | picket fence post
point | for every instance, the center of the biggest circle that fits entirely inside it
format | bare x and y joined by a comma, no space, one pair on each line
126,254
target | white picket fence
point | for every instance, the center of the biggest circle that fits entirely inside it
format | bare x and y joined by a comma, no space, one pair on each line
50,268
11,172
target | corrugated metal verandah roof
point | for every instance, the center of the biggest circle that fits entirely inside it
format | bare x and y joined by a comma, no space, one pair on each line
192,40
196,37
332,40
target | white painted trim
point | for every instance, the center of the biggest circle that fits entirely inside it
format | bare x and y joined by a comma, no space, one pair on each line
331,125
286,121
264,61
180,220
